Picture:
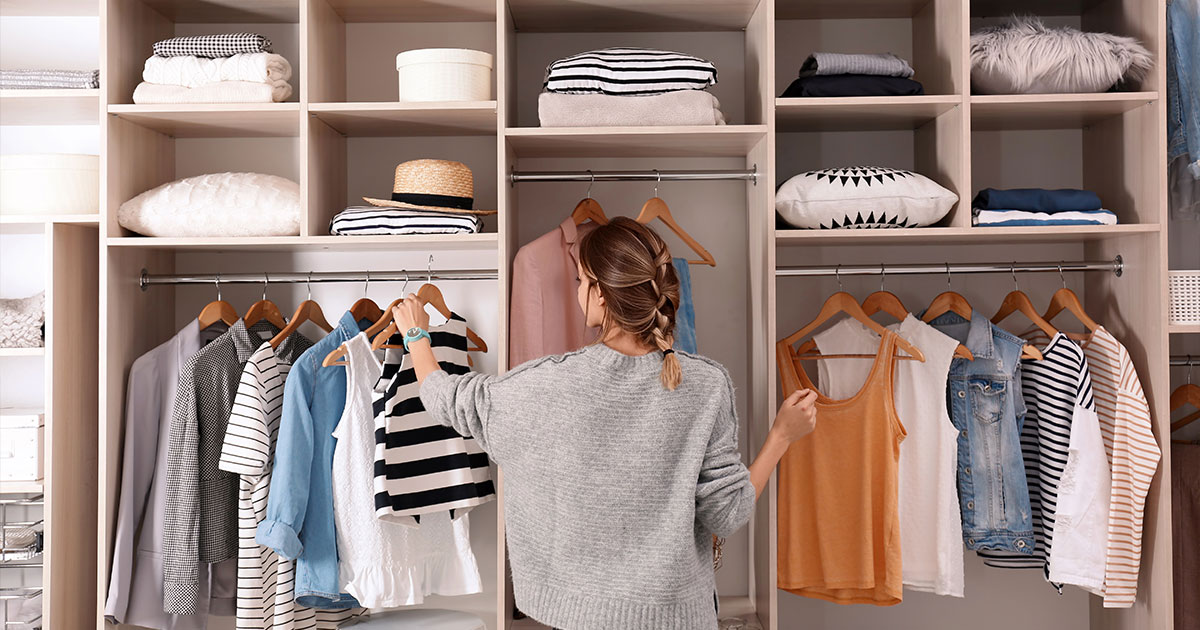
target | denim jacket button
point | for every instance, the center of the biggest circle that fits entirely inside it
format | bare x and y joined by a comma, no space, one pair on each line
970,505
967,470
1020,544
971,541
962,394
987,388
963,433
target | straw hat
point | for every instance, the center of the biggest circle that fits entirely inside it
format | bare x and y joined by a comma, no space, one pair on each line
436,185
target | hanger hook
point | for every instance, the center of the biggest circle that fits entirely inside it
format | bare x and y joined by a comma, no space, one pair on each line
429,270
882,276
367,283
266,281
217,280
1189,369
949,287
308,284
1013,269
405,287
593,181
657,181
1061,276
837,272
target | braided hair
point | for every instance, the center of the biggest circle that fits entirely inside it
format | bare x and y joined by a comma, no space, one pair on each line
631,265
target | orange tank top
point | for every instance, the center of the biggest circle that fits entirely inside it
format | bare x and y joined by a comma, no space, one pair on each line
839,524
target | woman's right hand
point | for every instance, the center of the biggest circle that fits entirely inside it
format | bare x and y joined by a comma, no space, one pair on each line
797,416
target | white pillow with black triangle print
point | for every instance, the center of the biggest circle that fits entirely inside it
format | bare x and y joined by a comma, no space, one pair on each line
862,197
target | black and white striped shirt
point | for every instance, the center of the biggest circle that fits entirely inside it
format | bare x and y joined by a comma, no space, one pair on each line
1052,389
629,72
389,221
422,466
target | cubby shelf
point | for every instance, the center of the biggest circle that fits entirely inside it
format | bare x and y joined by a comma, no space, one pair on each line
409,119
846,9
39,219
21,487
715,141
59,8
962,235
863,113
414,10
1052,111
1183,329
215,120
49,107
570,16
216,11
441,242
22,352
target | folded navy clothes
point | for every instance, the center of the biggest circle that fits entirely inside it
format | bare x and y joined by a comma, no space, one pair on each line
852,85
881,64
1036,199
1011,218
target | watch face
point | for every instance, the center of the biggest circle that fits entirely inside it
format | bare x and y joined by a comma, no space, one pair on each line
413,332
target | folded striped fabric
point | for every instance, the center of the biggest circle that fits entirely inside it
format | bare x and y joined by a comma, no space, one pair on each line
880,64
995,218
373,220
49,79
223,45
629,72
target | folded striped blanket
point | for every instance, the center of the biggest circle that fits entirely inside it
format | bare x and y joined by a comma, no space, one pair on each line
223,45
372,220
629,72
1011,218
49,79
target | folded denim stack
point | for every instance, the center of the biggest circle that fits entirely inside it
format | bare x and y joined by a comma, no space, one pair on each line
225,68
618,87
839,74
1038,206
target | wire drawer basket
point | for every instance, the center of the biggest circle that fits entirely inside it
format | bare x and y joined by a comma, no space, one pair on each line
1184,289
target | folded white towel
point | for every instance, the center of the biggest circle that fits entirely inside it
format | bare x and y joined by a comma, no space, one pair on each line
684,107
220,92
197,71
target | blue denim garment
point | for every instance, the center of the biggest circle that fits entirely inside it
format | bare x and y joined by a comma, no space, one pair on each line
685,315
1036,200
1183,81
987,408
299,522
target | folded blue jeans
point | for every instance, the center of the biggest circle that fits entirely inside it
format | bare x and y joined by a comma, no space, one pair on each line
1036,199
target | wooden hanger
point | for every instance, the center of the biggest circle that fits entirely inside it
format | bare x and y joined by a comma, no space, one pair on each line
656,208
1188,394
217,311
264,309
950,301
1017,302
589,209
429,294
883,300
1065,299
308,311
842,302
331,359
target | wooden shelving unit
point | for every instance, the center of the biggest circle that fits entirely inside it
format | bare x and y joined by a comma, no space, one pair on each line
22,352
50,107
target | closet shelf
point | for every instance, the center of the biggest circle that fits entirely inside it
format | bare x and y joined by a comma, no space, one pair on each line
22,352
960,235
846,9
625,16
473,118
699,141
1183,329
21,487
21,219
862,113
226,11
56,8
1052,111
423,242
1005,8
215,120
415,10
49,107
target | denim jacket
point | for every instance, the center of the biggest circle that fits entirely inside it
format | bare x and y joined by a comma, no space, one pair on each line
1183,81
986,406
299,522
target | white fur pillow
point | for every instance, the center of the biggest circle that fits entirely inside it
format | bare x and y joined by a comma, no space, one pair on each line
21,321
220,204
1027,57
862,197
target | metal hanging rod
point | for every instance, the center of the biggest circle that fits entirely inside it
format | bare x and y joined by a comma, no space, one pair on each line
316,277
653,175
1115,266
1185,360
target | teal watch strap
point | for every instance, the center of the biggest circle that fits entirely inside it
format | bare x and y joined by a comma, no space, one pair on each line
411,336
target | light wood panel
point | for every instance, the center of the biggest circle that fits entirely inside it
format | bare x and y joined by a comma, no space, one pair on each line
846,9
1005,8
215,120
129,29
957,235
21,487
135,159
570,16
1183,329
438,242
324,185
42,219
861,113
474,118
323,48
217,11
49,107
506,205
940,149
937,31
22,352
1124,169
415,10
72,336
715,141
44,8
1052,111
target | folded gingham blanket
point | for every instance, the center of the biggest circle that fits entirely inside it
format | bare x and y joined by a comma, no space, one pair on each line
49,79
223,45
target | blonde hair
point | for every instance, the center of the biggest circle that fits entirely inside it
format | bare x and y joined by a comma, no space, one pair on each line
632,267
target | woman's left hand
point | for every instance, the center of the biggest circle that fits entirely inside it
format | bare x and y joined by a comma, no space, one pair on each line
410,313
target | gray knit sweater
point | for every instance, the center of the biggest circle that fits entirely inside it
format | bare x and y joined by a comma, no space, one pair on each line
612,484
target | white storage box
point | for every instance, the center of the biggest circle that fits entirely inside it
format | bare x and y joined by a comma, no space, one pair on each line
49,183
21,444
444,74
1184,289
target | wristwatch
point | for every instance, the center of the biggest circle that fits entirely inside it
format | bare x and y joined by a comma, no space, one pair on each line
415,333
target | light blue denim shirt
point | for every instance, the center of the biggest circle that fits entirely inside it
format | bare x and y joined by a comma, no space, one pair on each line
685,315
986,406
299,523
1183,81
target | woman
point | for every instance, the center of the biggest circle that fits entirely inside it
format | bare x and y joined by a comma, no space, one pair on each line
620,460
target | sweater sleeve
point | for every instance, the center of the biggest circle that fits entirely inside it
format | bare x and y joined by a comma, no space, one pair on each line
462,402
724,493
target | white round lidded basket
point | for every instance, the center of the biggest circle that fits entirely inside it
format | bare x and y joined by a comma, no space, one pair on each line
49,183
444,74
1184,289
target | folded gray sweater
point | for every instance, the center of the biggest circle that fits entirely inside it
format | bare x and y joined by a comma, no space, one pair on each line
878,64
613,485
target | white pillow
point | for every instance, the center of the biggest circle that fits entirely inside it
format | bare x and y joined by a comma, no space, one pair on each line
219,204
21,321
862,197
